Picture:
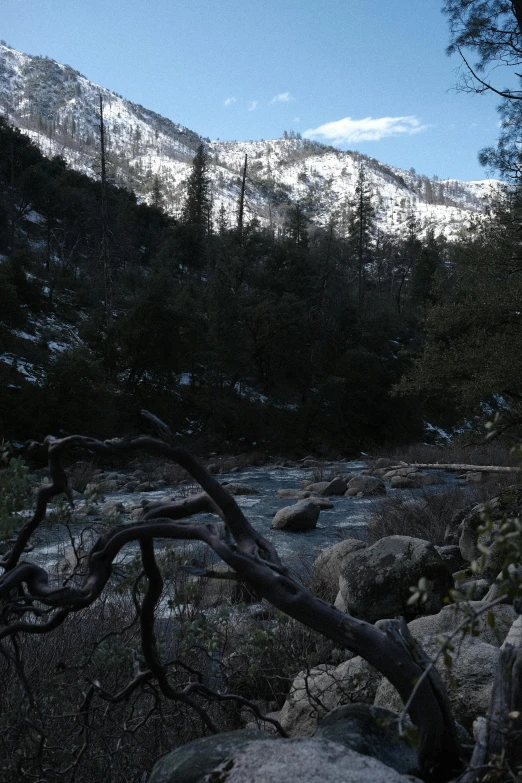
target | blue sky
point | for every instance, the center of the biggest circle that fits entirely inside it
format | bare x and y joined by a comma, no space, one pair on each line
370,75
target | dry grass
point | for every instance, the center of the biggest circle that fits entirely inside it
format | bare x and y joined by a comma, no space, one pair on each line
494,452
427,514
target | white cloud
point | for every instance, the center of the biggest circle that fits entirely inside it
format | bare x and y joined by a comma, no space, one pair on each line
282,97
229,101
252,105
369,129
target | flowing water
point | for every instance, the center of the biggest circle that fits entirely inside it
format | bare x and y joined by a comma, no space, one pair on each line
347,518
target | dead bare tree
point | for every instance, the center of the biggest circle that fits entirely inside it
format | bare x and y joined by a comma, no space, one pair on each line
30,603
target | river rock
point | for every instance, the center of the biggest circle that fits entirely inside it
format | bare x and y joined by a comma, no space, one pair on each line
469,681
321,503
327,567
337,486
375,582
239,489
189,763
301,516
146,486
69,560
301,761
371,731
365,485
382,462
298,494
131,486
399,472
323,688
403,482
318,486
112,507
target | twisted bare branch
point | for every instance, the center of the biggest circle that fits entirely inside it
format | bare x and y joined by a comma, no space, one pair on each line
254,560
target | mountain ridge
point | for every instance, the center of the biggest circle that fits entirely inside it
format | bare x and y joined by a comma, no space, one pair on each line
57,107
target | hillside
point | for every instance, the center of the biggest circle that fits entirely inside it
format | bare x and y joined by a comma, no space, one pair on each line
58,109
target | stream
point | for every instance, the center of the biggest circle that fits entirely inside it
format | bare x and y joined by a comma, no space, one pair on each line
347,518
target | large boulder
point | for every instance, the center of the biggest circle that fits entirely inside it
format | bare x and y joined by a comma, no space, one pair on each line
337,486
469,681
301,516
189,763
471,542
301,761
450,617
452,557
375,582
365,485
320,690
327,568
371,731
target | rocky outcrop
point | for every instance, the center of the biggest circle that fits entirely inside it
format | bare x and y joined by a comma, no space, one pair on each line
371,731
301,761
327,568
301,516
469,681
320,690
365,485
375,582
190,763
451,617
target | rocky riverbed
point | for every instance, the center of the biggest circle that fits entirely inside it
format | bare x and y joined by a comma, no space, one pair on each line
261,491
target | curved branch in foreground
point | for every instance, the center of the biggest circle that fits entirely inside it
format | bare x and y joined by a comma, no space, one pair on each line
257,563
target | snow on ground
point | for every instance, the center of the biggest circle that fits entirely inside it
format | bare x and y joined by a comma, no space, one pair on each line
143,146
59,347
25,336
31,373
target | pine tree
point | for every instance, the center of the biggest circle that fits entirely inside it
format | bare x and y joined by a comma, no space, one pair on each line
197,208
157,193
296,226
362,225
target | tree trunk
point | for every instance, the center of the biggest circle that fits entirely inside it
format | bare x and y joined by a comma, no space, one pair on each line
456,467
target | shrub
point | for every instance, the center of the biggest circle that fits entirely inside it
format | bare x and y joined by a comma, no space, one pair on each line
425,515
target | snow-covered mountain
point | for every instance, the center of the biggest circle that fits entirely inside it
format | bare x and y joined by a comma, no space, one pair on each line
59,109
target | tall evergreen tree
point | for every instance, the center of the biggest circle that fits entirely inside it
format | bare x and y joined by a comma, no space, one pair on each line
361,228
197,208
